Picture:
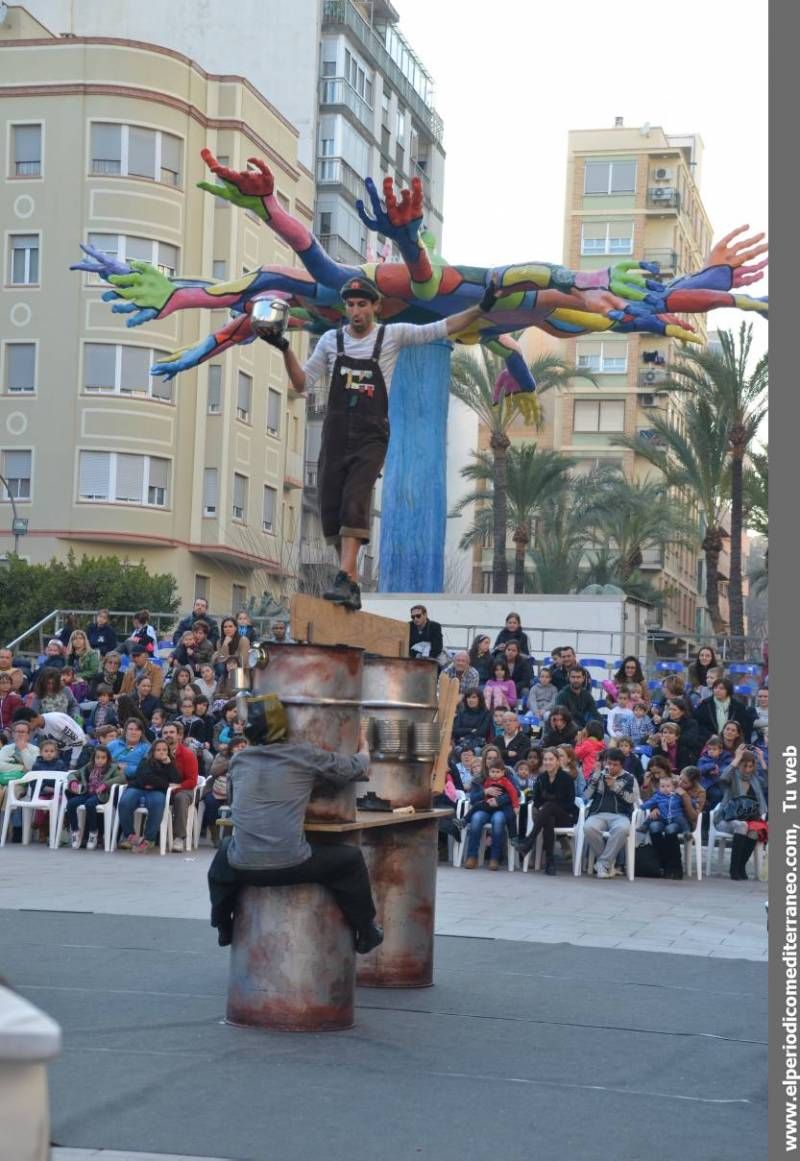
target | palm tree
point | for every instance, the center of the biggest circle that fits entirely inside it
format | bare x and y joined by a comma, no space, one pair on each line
756,492
533,477
630,516
694,460
740,396
472,382
559,552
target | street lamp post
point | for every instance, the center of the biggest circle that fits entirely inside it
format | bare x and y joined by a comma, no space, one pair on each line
19,524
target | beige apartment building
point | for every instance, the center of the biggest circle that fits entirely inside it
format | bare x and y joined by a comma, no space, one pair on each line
202,476
632,193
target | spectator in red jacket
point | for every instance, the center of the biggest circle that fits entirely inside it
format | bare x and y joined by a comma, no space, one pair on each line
186,764
9,702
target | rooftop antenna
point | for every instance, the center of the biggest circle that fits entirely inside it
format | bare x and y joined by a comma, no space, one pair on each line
645,129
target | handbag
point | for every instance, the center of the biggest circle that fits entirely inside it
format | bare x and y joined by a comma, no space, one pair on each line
741,809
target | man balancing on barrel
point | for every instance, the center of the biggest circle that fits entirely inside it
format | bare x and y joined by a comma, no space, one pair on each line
270,783
359,361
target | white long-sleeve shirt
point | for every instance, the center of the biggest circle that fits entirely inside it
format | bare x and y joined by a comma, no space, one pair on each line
396,336
66,732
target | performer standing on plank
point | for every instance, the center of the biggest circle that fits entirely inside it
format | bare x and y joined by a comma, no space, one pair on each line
359,360
270,785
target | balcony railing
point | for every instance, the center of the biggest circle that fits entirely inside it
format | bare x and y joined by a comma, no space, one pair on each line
664,197
343,12
28,168
336,171
339,91
341,250
293,473
667,259
311,474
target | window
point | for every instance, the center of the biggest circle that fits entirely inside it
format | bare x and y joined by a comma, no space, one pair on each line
20,367
238,597
599,415
239,496
219,269
23,266
385,99
201,586
244,393
609,177
127,246
209,491
26,160
273,412
118,369
268,514
214,389
133,151
120,478
16,467
607,238
400,123
606,358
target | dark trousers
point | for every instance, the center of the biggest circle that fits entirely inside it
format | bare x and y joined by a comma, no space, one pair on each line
339,868
548,817
667,847
90,801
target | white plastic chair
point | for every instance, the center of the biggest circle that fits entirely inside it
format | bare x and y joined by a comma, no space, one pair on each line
36,801
693,841
717,840
486,832
140,814
195,816
459,849
573,833
629,848
107,809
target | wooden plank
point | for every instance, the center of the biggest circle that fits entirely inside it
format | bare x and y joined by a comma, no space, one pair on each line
325,623
449,688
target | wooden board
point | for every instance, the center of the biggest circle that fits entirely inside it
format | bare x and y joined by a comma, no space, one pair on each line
325,623
449,689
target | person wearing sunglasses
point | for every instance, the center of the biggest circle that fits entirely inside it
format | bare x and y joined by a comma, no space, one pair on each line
425,636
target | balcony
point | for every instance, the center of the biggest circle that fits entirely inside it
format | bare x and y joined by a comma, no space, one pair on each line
28,169
339,91
316,405
336,171
341,250
343,13
653,557
664,197
667,260
311,474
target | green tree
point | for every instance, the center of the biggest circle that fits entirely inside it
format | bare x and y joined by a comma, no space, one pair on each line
472,382
628,517
755,488
693,459
559,551
740,395
29,591
533,477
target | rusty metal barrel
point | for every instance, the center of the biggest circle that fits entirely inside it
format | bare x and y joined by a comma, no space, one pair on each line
292,965
320,686
397,690
402,862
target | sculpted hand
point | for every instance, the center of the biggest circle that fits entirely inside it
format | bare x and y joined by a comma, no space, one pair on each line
736,255
144,290
98,262
246,188
401,220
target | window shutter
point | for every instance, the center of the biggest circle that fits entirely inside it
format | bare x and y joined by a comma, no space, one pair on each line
106,142
273,411
135,373
167,256
141,152
20,367
586,415
99,366
160,388
215,388
623,177
27,143
139,248
108,243
130,478
94,472
171,154
17,465
612,415
268,516
210,490
595,177
243,393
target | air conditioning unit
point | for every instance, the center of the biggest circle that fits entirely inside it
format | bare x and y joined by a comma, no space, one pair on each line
663,174
652,377
663,193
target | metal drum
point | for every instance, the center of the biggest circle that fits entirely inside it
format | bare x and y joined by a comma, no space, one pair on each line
320,685
399,693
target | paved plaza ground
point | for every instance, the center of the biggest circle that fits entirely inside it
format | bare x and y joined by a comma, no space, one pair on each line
569,1017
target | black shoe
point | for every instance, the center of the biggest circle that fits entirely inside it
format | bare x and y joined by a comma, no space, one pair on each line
550,867
676,874
225,935
340,590
16,834
354,600
369,938
521,847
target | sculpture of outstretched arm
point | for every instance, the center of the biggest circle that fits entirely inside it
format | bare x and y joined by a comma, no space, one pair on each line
254,190
402,222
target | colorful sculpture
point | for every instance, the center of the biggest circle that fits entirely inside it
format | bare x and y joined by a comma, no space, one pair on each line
625,297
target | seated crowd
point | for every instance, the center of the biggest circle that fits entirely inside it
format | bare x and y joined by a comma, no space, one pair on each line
530,739
100,713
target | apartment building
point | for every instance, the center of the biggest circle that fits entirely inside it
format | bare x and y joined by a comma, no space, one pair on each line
202,475
342,72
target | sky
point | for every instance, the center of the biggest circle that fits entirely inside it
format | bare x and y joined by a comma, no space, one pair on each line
512,77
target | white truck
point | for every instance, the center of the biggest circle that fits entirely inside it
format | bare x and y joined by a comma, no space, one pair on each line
606,628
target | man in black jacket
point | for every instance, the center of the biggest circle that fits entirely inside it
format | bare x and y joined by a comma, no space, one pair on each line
424,637
199,613
578,699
